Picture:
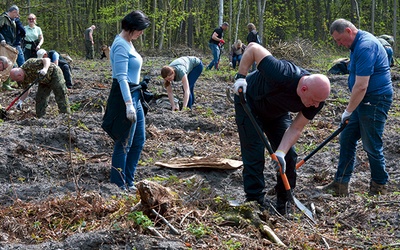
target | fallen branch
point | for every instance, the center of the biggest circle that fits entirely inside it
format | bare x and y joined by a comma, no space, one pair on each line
174,230
271,235
155,232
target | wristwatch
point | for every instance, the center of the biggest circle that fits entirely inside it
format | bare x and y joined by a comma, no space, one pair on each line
238,76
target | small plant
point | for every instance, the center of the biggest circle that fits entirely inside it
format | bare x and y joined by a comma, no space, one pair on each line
231,244
75,106
140,219
198,230
82,125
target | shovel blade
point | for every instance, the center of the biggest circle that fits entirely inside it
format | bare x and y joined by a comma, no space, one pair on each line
304,209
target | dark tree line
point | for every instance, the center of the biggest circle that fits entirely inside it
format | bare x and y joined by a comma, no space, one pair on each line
191,22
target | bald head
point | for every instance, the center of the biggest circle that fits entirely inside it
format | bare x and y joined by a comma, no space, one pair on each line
17,74
314,89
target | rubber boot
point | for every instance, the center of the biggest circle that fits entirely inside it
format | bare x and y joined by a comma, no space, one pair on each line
6,85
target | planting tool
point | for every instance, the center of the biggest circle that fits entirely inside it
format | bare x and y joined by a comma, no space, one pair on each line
334,134
263,137
3,113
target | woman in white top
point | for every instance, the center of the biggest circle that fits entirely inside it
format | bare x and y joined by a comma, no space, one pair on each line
33,38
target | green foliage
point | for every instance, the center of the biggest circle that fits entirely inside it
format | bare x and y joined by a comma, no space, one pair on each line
232,244
198,230
140,219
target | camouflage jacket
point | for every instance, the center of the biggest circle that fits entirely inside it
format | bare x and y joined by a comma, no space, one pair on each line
32,67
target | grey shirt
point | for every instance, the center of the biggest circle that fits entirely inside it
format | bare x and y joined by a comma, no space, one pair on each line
183,65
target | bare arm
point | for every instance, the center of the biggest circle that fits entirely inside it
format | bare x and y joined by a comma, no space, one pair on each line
358,92
293,133
46,63
186,90
215,37
253,53
171,98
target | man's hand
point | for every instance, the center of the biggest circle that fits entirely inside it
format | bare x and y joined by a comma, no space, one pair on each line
19,105
43,72
130,112
346,116
240,83
281,160
3,42
230,64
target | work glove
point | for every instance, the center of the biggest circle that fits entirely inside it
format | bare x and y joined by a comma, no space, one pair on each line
281,161
19,105
345,116
130,112
240,83
42,72
3,43
230,64
222,41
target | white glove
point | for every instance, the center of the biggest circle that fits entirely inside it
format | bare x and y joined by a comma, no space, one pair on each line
19,105
281,160
230,64
346,116
43,72
130,112
240,83
3,42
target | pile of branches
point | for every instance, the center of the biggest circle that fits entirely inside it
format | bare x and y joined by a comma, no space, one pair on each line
300,51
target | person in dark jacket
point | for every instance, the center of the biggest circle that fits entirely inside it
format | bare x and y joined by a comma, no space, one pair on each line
252,37
8,33
17,43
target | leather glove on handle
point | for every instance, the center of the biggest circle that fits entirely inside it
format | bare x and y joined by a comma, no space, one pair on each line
345,116
240,83
130,112
281,158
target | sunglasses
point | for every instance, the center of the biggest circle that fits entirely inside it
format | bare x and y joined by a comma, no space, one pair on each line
30,19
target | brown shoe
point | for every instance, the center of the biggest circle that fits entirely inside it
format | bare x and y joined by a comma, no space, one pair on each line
336,188
377,189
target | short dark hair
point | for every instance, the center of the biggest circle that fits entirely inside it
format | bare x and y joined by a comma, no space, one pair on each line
136,20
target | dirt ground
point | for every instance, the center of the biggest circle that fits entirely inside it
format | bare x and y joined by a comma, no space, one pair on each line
55,191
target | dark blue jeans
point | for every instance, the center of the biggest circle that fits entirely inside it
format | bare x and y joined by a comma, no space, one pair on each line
367,122
20,58
215,50
127,150
192,78
253,152
236,59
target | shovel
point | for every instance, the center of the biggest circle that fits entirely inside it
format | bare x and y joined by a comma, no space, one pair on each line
299,205
334,134
3,112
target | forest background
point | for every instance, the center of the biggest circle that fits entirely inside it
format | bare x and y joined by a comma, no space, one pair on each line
190,22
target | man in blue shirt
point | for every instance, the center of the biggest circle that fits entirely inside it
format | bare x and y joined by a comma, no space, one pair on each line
371,97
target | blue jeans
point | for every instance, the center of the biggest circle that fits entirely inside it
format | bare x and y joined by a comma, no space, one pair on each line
253,152
192,78
127,150
236,59
20,58
215,52
367,122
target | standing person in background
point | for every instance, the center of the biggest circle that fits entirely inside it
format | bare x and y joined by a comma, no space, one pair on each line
58,60
17,43
214,44
89,42
235,55
124,119
252,37
33,38
186,69
8,33
388,48
371,96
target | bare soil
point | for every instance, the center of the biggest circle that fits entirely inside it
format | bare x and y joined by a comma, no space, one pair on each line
55,191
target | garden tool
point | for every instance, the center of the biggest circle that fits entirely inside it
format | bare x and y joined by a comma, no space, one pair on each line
3,112
263,137
334,134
